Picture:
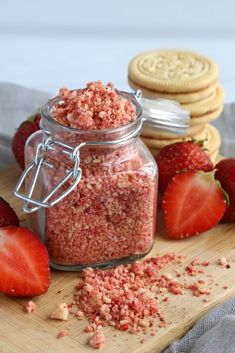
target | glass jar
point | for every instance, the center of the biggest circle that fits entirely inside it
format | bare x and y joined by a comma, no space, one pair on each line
107,209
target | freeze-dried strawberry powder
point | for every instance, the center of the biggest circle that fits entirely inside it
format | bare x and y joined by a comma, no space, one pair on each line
111,214
95,107
131,298
124,297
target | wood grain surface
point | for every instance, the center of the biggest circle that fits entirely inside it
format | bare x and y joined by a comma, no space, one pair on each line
36,333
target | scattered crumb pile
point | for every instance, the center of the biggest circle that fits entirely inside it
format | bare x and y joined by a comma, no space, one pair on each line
132,298
95,107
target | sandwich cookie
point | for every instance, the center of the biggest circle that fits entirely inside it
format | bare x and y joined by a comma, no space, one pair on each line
172,71
210,104
186,97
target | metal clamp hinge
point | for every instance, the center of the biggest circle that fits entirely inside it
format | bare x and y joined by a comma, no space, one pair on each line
31,204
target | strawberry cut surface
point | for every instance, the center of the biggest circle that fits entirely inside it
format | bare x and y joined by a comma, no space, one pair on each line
193,203
24,263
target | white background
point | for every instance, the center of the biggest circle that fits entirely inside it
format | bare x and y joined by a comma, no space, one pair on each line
48,44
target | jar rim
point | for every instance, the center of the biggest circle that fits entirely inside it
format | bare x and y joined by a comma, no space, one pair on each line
46,114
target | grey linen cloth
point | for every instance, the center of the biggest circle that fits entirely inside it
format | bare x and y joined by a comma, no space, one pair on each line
214,333
226,126
16,104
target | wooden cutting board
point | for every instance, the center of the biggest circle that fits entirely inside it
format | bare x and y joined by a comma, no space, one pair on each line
35,332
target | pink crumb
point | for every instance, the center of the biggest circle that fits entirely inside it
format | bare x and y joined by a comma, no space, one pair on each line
195,262
79,314
30,306
88,328
61,334
97,340
191,270
222,261
162,324
166,299
205,263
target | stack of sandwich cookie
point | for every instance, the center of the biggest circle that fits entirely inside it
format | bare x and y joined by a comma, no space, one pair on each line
208,135
190,79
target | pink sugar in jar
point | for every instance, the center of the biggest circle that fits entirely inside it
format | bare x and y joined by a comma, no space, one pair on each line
95,191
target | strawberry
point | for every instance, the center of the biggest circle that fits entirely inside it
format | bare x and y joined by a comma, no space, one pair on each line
26,129
225,173
192,203
8,217
181,156
24,263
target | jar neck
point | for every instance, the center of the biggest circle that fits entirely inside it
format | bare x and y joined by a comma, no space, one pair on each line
107,146
107,137
126,135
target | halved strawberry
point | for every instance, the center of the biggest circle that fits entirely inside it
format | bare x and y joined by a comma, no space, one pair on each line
181,156
192,203
24,263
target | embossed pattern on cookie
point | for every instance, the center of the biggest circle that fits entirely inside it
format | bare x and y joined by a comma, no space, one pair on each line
173,67
173,71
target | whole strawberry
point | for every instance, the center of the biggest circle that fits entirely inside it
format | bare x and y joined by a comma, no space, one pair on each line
193,203
181,156
26,129
225,173
8,217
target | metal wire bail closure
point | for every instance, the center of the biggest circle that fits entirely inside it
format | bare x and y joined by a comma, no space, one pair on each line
75,174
